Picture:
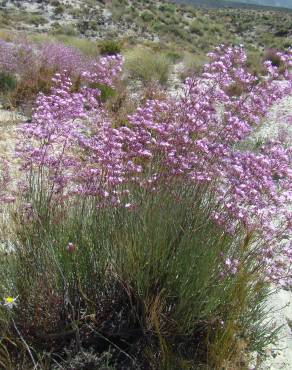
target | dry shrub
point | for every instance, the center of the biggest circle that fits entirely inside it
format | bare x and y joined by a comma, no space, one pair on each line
236,89
272,55
29,86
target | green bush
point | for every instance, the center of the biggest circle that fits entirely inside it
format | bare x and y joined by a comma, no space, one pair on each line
147,16
282,32
35,19
147,66
159,27
7,82
106,91
167,8
59,9
109,47
67,30
195,28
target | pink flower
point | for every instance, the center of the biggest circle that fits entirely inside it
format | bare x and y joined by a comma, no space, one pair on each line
71,248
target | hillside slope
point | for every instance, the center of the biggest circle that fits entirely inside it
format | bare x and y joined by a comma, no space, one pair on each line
161,22
256,4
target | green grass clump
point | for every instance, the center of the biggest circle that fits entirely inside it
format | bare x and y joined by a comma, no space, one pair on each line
68,30
86,46
193,63
106,92
174,56
7,82
254,58
145,65
35,19
139,288
110,47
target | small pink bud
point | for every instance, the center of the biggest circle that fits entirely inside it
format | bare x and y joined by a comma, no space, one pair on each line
71,248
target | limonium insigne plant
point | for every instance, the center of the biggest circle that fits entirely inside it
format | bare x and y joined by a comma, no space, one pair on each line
150,244
24,58
34,65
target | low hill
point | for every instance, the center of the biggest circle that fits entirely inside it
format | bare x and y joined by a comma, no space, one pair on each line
242,4
158,24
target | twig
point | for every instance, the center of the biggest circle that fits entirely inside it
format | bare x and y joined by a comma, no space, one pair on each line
26,345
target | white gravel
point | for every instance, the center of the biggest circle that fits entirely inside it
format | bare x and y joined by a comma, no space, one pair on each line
276,126
8,121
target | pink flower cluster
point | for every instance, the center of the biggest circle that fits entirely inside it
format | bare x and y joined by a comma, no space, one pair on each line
7,56
18,58
104,71
194,138
24,58
58,57
230,267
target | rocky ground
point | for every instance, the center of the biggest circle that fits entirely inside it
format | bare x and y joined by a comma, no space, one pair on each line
8,122
280,356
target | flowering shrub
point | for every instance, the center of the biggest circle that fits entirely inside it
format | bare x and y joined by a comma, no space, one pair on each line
59,57
161,234
19,58
7,56
191,139
35,65
104,71
25,58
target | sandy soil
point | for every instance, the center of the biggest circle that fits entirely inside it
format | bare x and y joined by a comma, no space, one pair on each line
279,124
8,122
